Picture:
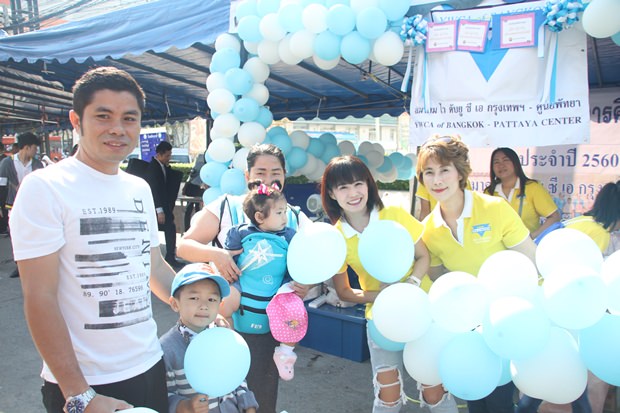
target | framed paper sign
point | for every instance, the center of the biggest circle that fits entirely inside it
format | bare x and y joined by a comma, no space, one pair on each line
441,37
517,30
472,35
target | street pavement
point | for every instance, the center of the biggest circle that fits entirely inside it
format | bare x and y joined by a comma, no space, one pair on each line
322,383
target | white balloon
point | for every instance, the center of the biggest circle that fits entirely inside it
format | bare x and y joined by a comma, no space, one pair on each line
302,43
310,166
346,148
240,160
364,148
314,18
325,64
421,356
317,174
251,47
268,52
509,273
286,54
251,133
225,40
376,146
457,302
600,18
402,312
375,159
221,150
566,246
259,93
556,374
611,277
390,176
388,49
221,101
218,134
257,69
300,139
227,124
216,80
270,28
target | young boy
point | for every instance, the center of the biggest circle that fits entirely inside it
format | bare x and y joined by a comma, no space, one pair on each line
196,295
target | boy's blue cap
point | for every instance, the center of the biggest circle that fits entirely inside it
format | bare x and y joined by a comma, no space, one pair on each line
196,272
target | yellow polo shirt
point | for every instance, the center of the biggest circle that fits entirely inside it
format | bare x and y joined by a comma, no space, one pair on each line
392,213
486,225
591,228
537,203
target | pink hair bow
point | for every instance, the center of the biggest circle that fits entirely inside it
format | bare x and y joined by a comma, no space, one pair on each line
266,190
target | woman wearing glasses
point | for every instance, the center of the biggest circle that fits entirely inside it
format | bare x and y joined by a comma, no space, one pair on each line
466,229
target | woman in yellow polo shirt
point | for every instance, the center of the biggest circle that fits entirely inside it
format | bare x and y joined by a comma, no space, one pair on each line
526,196
602,222
466,229
351,200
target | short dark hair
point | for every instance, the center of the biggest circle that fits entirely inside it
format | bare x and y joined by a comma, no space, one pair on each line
27,139
606,208
265,149
163,147
104,78
346,170
256,202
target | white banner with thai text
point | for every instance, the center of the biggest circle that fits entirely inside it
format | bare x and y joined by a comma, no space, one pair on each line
504,97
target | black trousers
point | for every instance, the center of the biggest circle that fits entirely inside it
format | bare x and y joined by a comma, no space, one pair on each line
146,390
170,234
263,377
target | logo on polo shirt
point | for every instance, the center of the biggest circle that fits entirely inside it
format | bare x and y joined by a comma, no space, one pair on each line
483,232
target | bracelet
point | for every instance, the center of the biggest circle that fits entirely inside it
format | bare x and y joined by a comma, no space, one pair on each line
413,280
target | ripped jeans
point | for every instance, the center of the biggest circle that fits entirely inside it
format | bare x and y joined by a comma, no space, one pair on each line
384,361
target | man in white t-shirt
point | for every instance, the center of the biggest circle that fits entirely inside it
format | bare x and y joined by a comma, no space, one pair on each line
86,243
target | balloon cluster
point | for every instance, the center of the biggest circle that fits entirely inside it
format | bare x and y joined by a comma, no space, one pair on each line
413,31
600,18
322,30
475,333
562,14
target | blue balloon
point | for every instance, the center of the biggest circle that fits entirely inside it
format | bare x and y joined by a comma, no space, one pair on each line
394,9
238,81
296,158
289,17
248,29
468,368
616,38
246,109
265,117
211,173
330,3
371,22
211,194
340,19
397,158
331,151
277,130
386,250
354,48
315,147
363,159
265,7
282,141
381,341
246,8
205,368
404,173
386,166
225,59
328,139
233,182
505,377
599,346
327,45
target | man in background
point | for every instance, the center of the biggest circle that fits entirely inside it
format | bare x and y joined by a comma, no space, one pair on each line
165,183
13,170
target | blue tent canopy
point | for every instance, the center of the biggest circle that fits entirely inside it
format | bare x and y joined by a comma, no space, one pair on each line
167,46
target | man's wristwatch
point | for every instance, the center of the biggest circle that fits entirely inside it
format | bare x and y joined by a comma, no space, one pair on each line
78,403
